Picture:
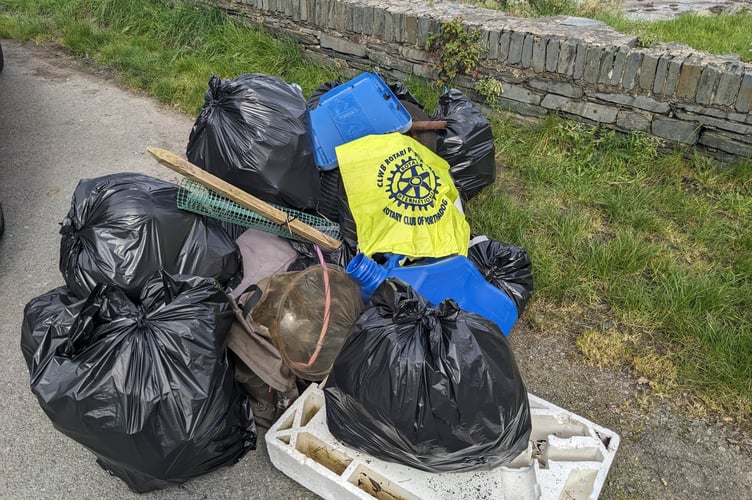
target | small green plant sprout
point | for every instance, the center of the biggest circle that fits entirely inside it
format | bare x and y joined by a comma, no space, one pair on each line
648,40
490,89
456,50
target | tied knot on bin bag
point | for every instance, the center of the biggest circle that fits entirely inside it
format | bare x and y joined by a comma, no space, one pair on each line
437,389
69,230
67,226
417,312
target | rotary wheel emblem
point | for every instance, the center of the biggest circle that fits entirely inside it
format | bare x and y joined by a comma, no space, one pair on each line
412,184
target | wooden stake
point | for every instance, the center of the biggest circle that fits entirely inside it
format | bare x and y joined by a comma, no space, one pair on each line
295,226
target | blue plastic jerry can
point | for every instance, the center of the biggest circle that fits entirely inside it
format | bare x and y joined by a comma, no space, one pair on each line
454,277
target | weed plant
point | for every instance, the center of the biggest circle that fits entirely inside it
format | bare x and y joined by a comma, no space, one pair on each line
642,258
455,51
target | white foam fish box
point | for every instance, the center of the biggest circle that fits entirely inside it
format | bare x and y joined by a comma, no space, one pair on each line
568,457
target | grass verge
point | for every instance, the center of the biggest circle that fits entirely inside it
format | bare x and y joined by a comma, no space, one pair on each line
168,49
720,34
644,258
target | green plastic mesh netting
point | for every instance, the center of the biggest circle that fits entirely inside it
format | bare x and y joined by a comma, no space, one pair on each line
197,198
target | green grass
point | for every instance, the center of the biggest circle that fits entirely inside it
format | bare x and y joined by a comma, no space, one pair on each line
643,258
651,244
716,34
720,35
167,51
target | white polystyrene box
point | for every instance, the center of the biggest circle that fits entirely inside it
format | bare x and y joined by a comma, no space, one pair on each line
567,457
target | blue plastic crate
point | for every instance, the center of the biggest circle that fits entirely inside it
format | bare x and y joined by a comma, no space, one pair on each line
365,105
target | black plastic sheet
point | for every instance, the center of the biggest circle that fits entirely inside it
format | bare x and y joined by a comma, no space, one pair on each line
467,144
122,228
505,266
254,132
147,385
435,389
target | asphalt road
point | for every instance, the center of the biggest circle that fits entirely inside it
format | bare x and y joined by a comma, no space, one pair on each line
57,126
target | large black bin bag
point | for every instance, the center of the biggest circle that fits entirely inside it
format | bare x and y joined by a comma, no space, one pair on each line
254,132
435,389
122,228
467,143
147,385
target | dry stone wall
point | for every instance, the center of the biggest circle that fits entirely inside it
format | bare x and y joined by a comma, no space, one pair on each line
577,67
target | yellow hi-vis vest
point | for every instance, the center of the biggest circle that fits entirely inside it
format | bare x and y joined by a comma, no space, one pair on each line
401,197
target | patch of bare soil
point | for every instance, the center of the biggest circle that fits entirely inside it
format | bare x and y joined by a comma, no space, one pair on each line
664,453
64,61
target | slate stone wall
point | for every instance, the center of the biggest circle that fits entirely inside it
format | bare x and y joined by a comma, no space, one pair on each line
576,67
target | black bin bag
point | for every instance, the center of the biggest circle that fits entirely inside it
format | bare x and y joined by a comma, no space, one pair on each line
467,144
145,385
122,228
505,266
254,132
435,389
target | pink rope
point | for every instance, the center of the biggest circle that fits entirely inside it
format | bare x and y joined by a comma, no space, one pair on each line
327,310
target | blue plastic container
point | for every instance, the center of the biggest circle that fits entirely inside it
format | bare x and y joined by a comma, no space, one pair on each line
363,106
437,280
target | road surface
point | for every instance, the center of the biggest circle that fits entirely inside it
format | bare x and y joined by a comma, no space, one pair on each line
57,126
